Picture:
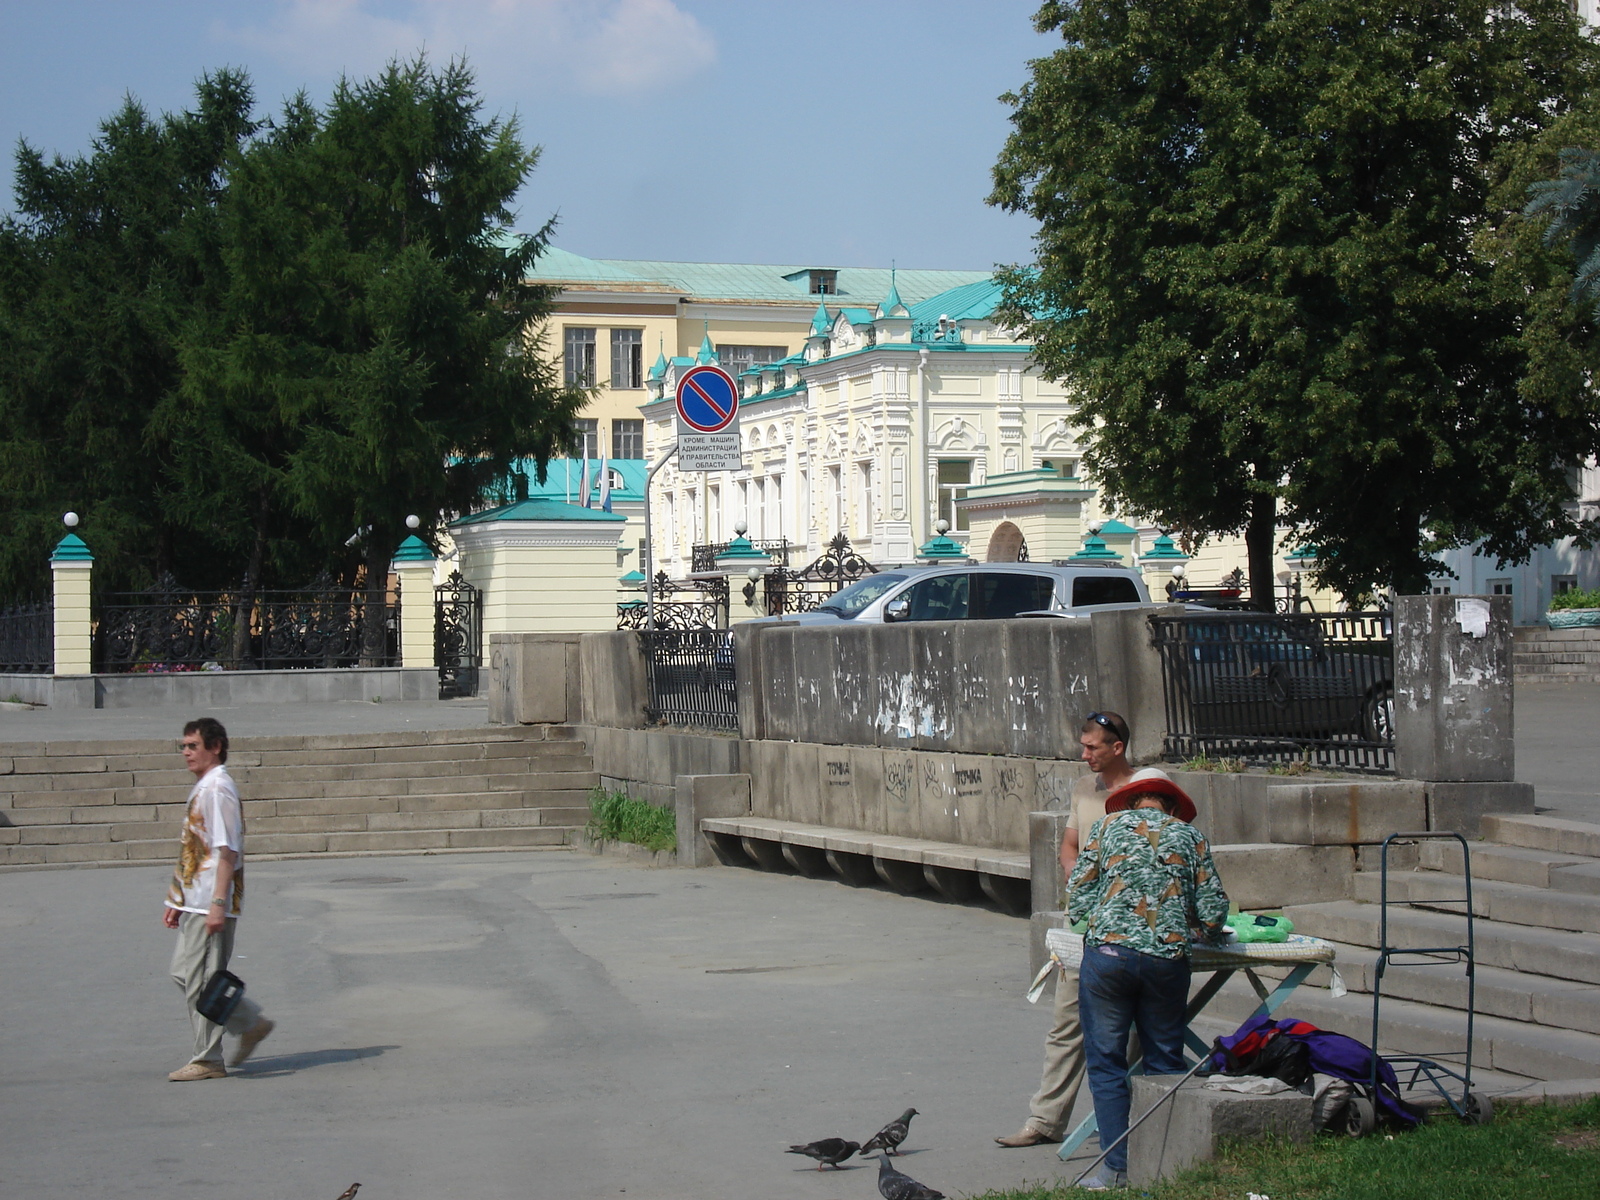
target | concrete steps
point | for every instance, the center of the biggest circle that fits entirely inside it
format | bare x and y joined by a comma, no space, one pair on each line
1536,904
108,802
1556,655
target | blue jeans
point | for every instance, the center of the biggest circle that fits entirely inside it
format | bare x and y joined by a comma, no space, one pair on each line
1118,989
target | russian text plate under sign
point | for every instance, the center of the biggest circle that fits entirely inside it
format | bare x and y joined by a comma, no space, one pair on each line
709,452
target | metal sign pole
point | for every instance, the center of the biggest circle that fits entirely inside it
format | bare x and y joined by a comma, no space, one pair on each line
649,542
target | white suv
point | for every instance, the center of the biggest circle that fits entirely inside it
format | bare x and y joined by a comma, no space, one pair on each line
977,591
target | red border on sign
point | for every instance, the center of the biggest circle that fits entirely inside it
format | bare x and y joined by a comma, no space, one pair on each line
687,381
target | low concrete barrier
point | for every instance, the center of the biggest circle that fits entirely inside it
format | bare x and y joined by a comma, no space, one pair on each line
205,689
1188,1127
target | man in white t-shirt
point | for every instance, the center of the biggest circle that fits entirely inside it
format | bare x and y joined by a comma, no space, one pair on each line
204,899
1103,741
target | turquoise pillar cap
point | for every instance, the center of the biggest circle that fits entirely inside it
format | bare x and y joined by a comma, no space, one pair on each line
941,548
740,553
71,549
413,550
1095,550
1164,550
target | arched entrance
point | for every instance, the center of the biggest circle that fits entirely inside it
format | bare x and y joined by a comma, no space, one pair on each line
1005,543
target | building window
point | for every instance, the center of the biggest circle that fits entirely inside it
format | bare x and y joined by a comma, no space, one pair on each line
955,476
1499,587
1439,589
864,501
579,356
627,438
737,359
835,502
715,521
1560,585
775,498
588,430
627,361
824,282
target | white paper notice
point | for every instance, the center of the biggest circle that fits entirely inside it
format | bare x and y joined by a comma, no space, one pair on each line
1473,617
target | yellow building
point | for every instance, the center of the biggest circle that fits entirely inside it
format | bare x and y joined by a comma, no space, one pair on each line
616,317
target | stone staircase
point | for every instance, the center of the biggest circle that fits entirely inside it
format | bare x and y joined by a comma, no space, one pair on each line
1556,655
1536,896
385,793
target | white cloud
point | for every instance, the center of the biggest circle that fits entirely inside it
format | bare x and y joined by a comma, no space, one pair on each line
603,47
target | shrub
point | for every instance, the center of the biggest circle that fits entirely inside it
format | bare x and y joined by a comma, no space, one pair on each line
1577,598
616,817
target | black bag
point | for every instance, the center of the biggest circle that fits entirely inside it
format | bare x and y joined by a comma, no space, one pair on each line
220,997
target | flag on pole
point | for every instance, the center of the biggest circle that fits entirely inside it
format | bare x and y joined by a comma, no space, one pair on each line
583,483
605,484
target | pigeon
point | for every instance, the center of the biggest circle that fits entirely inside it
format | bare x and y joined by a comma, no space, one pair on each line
893,1185
350,1192
891,1135
829,1152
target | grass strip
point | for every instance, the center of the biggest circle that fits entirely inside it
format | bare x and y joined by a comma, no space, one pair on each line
616,817
1538,1152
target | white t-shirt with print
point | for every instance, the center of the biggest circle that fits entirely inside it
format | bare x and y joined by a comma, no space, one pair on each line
214,820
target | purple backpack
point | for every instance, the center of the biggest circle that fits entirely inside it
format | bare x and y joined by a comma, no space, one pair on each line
1326,1053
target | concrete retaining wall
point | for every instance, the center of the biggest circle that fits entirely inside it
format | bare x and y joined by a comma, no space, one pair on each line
965,687
202,689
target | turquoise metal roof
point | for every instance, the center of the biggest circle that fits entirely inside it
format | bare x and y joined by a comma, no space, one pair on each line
975,301
561,479
891,305
743,281
858,316
1116,527
820,322
536,510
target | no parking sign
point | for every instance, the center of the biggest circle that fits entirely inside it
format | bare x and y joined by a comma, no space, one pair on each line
708,420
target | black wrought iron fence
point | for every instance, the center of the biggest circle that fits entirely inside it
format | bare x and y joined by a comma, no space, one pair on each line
803,590
27,639
679,604
1279,688
458,637
691,677
170,628
704,557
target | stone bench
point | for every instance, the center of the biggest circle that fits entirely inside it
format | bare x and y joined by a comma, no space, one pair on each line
959,873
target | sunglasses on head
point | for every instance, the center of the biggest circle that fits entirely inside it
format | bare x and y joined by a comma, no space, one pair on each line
1114,726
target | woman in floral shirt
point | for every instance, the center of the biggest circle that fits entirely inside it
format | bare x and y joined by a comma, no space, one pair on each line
1147,886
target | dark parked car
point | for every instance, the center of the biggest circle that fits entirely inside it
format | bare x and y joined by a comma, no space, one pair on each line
1251,675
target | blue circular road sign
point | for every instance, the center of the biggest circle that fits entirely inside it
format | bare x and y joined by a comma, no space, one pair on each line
708,399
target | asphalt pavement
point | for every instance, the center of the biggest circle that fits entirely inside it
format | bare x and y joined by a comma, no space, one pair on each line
516,1025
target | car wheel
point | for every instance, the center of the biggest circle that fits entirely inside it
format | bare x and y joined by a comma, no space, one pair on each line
1377,714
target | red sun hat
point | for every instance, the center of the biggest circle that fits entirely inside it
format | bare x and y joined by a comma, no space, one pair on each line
1122,798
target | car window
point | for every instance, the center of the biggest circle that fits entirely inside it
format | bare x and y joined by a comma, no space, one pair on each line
858,595
1006,593
942,598
1088,590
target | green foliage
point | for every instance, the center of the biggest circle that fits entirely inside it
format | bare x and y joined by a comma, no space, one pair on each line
1534,1153
1227,766
614,817
1576,598
231,346
1282,261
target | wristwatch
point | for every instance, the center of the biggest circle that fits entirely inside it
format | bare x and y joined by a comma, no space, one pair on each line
219,900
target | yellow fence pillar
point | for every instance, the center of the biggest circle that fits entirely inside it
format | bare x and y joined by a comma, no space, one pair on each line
72,568
413,563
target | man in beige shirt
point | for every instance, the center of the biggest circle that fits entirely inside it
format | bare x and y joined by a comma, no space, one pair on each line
1104,744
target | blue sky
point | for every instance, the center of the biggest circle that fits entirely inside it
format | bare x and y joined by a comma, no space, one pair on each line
822,132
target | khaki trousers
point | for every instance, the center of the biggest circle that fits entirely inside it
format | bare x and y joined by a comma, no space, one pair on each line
197,956
1051,1107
